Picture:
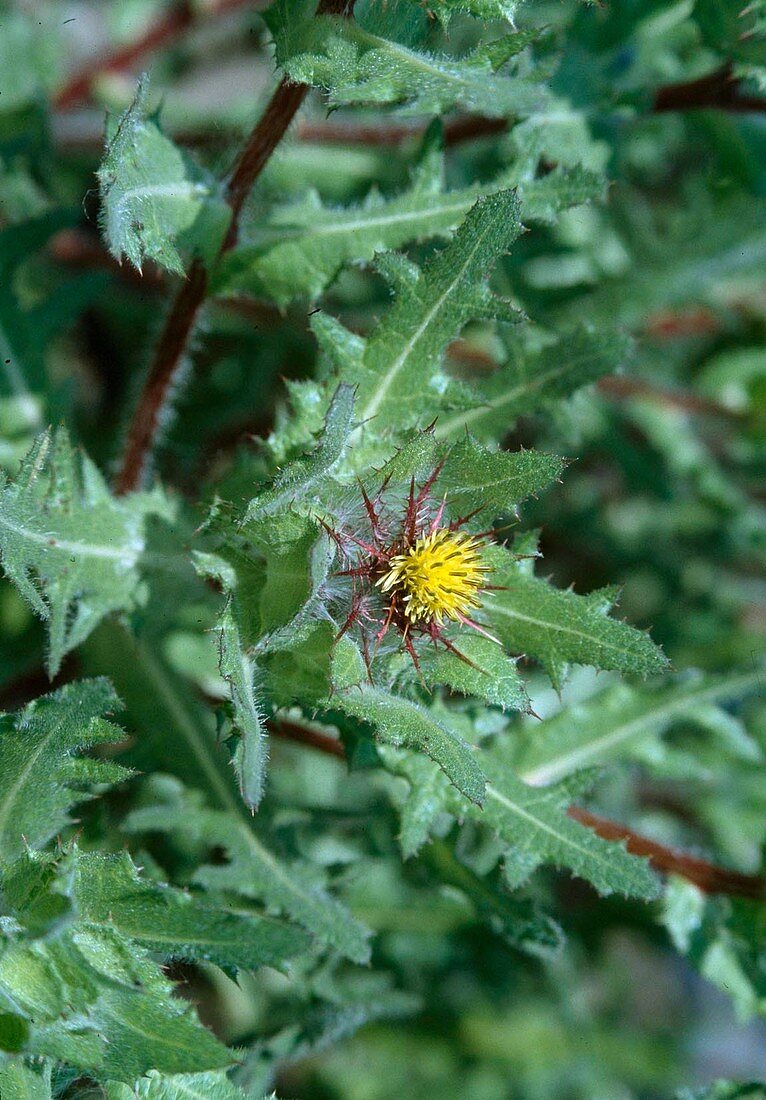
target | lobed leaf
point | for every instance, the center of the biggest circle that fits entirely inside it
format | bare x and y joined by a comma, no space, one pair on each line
154,200
558,627
406,724
608,725
75,552
355,62
41,776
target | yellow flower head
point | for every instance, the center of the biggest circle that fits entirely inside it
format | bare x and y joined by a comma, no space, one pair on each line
438,577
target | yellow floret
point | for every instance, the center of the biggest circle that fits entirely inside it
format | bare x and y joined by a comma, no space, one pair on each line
439,577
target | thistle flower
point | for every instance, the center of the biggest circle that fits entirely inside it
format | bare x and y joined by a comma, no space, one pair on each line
439,577
413,572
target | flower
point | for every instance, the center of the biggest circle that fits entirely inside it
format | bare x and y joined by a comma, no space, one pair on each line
438,577
411,572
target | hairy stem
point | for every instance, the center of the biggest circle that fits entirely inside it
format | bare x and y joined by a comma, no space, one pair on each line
174,340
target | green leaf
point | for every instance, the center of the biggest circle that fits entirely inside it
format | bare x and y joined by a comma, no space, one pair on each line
91,996
239,671
406,724
298,250
40,774
534,822
491,674
608,725
108,893
141,1035
302,477
497,481
397,375
354,64
725,938
178,734
253,871
22,1081
71,548
558,627
186,1086
154,200
480,9
533,379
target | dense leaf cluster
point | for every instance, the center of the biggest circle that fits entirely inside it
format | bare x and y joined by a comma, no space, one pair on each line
521,263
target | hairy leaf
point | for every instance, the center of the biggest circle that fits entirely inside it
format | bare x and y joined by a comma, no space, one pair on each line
41,776
253,871
533,379
403,723
558,628
397,374
154,200
535,824
356,64
494,481
108,893
186,1086
72,549
609,724
91,996
301,248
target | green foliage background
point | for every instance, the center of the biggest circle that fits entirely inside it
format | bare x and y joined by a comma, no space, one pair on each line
525,244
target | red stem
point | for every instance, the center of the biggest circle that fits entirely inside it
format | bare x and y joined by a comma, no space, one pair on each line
179,17
720,90
710,878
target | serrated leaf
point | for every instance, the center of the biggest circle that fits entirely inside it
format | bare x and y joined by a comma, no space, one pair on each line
533,379
533,821
302,476
491,675
239,671
108,892
38,766
255,872
20,1081
354,64
298,251
72,549
91,996
559,627
497,481
142,1035
609,724
186,1086
407,724
397,376
154,201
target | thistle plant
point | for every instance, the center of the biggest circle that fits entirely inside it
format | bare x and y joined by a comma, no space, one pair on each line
339,413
